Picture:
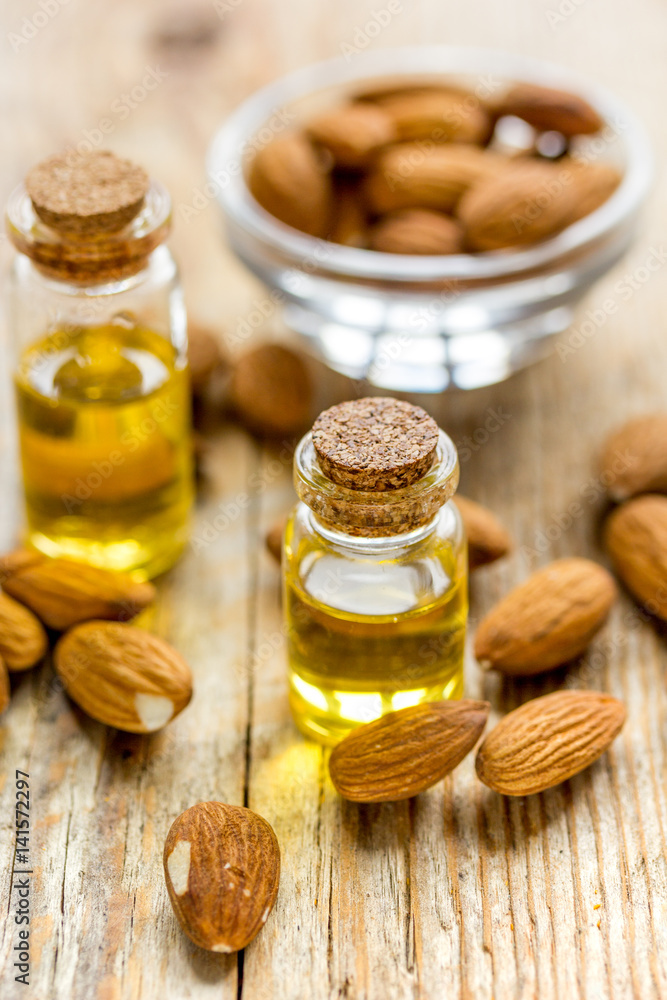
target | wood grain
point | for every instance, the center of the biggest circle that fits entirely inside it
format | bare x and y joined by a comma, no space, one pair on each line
459,893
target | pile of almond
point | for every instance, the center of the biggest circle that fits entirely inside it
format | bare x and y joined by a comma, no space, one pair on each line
424,169
118,674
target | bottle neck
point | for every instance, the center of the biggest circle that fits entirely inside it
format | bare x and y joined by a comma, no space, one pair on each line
89,258
378,545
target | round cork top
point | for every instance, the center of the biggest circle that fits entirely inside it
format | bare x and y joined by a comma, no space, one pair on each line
95,192
375,443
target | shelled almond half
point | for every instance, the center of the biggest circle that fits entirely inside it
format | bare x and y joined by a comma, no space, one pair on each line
222,869
548,620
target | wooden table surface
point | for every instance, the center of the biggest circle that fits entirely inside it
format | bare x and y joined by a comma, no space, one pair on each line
460,892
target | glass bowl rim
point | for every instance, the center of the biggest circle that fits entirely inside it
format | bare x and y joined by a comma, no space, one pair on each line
412,61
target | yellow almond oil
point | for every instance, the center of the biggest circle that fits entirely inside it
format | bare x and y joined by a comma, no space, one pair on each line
104,425
374,634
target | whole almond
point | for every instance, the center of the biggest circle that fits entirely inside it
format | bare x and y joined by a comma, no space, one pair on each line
548,620
487,538
62,593
123,676
274,538
205,357
353,133
222,869
634,458
411,176
271,391
18,559
439,115
405,752
290,181
636,538
5,693
23,641
417,231
548,740
550,110
594,183
526,202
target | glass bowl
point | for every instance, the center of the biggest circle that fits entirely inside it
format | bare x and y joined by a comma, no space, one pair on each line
424,323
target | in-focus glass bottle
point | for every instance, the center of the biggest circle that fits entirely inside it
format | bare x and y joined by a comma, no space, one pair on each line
375,568
98,321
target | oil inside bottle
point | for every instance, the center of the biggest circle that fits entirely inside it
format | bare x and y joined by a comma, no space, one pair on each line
369,636
104,426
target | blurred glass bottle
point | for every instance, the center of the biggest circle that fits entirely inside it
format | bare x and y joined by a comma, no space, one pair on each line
98,320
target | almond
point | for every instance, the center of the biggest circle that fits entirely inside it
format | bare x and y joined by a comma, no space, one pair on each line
487,538
271,391
528,201
18,559
274,538
417,231
548,620
222,869
438,115
62,593
548,740
634,458
353,133
550,110
290,181
349,222
23,640
411,176
205,357
595,183
123,676
5,693
405,752
636,538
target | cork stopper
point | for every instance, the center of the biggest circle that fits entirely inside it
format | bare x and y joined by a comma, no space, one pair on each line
375,443
97,192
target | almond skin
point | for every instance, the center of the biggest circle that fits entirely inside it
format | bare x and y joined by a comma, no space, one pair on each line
411,176
550,110
595,183
17,560
528,201
271,391
353,133
23,641
636,539
289,180
438,116
634,458
487,538
222,869
547,620
4,687
417,231
62,593
123,676
548,740
405,752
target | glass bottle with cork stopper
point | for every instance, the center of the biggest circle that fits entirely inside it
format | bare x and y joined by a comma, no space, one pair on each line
375,568
98,320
